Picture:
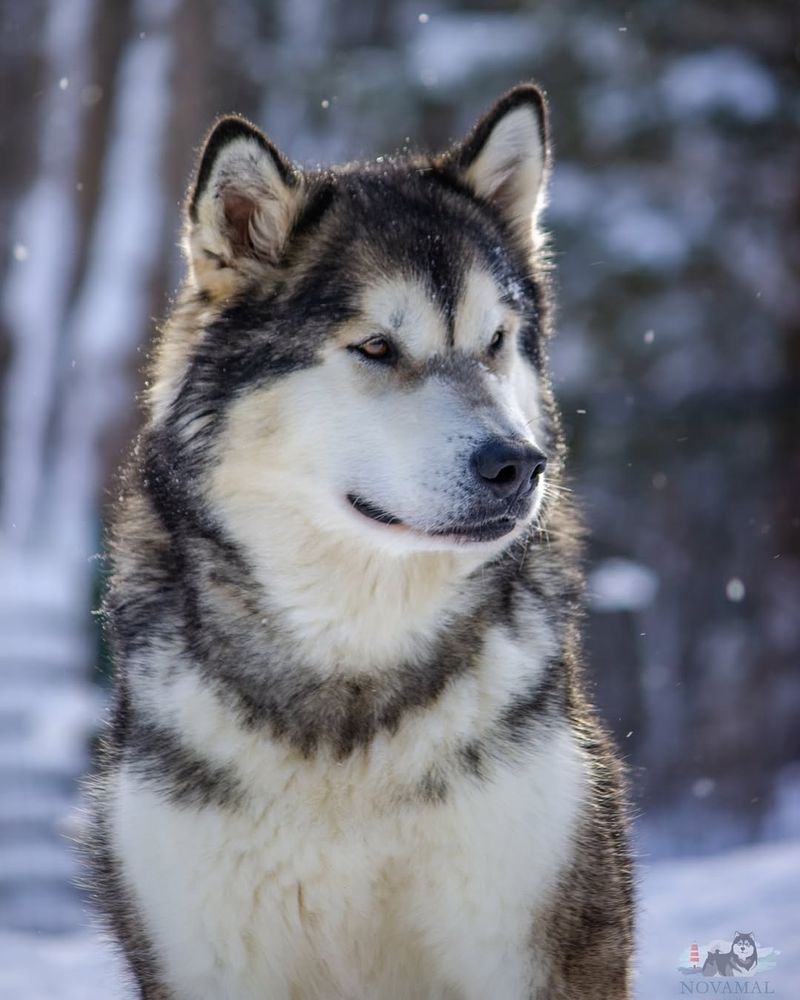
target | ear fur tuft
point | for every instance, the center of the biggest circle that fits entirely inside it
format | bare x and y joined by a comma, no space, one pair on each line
241,207
504,160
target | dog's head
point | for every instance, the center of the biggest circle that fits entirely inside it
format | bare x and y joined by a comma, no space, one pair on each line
744,948
360,348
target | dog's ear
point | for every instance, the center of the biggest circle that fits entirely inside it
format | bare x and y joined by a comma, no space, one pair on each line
241,207
504,160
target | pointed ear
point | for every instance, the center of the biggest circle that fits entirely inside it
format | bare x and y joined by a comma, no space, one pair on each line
241,208
504,160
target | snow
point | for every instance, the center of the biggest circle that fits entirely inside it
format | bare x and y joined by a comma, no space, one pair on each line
573,194
112,308
784,817
621,585
702,900
719,80
37,291
451,49
69,967
644,236
48,708
609,113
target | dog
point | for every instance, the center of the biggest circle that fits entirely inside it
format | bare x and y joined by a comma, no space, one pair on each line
739,961
350,752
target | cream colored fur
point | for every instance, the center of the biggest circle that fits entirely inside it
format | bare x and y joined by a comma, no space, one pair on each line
290,453
326,885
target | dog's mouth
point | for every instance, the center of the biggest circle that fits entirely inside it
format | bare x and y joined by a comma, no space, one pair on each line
370,510
478,531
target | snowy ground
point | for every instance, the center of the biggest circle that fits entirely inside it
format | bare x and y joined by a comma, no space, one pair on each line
753,889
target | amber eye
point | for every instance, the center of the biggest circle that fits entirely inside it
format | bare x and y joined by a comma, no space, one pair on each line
376,349
497,340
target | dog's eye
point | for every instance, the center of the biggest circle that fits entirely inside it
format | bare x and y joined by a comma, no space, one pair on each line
377,349
497,341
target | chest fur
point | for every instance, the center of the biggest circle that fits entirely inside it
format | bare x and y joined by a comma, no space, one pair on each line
322,891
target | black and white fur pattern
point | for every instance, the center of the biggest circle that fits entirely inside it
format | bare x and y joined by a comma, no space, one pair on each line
741,960
350,755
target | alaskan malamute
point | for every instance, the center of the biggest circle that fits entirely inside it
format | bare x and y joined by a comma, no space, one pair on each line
350,754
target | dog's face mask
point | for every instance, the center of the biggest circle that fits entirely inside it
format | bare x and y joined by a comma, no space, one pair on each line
432,431
379,330
743,946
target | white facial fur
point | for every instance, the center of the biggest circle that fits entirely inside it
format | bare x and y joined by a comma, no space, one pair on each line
291,452
349,426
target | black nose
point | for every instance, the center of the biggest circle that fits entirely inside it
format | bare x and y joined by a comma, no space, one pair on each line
508,467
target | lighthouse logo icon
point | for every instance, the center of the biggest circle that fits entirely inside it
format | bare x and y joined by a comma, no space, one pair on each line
694,956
